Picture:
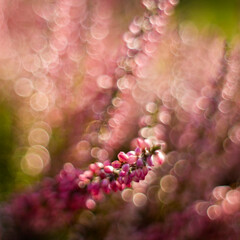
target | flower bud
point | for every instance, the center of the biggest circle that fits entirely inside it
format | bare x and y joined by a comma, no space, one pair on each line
108,169
120,180
142,175
131,153
120,185
93,167
88,174
138,173
106,163
127,179
116,164
132,159
139,163
159,157
106,186
148,143
122,173
105,183
123,157
149,161
114,186
138,151
95,188
125,167
102,174
145,171
99,164
141,143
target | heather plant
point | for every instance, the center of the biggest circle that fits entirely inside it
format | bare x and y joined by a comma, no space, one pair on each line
133,140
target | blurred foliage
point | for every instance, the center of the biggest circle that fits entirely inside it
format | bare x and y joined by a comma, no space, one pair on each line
12,178
58,142
217,14
7,145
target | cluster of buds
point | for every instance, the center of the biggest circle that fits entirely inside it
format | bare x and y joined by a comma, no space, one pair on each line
132,166
55,202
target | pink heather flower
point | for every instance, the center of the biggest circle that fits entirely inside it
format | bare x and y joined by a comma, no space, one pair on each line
135,176
143,144
138,151
132,159
88,174
142,175
127,179
82,177
123,157
125,167
75,188
120,180
120,186
104,182
93,167
159,157
116,164
122,173
107,163
105,185
114,186
140,143
139,163
99,164
149,161
102,175
95,188
138,173
96,167
148,143
108,169
131,153
145,171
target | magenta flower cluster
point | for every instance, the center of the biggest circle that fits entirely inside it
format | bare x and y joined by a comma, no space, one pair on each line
117,175
104,102
55,202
